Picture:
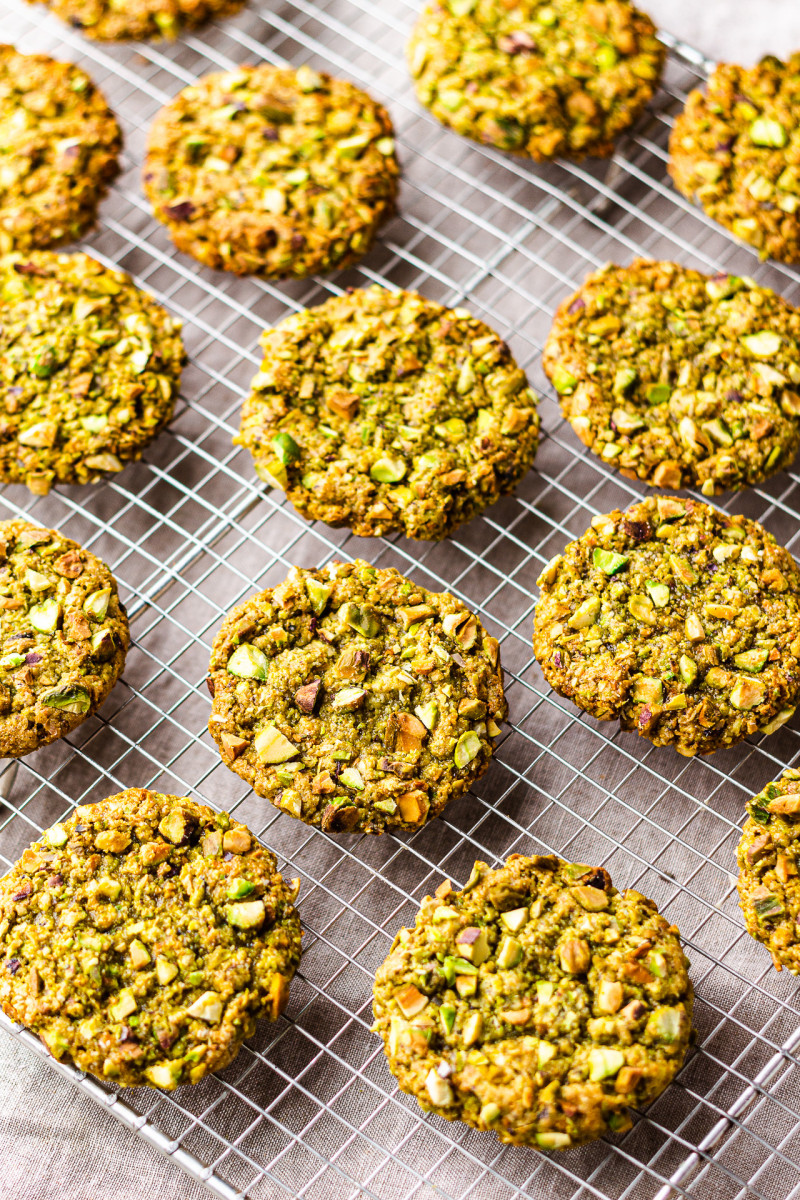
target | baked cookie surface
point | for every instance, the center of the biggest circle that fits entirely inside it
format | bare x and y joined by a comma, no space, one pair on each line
735,150
270,171
63,636
679,621
561,79
355,700
89,369
186,935
60,144
769,870
677,378
539,1003
108,20
386,411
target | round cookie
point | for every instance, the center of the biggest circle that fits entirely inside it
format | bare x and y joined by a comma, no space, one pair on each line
273,172
735,151
186,935
354,699
769,862
386,411
539,1003
60,145
108,20
560,79
679,378
63,636
679,621
89,369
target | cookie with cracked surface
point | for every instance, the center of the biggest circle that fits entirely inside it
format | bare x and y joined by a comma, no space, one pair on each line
561,79
679,621
386,411
769,870
271,171
187,936
735,151
108,20
90,368
677,378
63,636
60,151
354,699
538,1003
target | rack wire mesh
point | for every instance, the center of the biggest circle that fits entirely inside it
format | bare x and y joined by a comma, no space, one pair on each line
309,1108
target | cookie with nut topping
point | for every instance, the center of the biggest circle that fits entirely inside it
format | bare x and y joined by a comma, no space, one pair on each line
60,143
538,1003
110,21
90,368
271,171
734,151
555,79
144,936
354,699
679,621
769,870
63,636
386,411
677,378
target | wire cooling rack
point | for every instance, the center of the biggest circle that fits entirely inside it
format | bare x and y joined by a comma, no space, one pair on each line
309,1108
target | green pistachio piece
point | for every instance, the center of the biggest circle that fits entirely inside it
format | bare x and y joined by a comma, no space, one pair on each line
44,616
36,581
96,604
349,698
447,1015
428,714
45,362
124,1005
688,669
467,748
664,1024
624,378
68,699
515,919
351,778
319,594
563,382
768,907
585,614
509,953
604,1062
208,1007
273,473
272,747
474,945
765,131
608,561
490,1112
751,660
363,620
248,662
544,991
247,915
658,393
388,470
56,836
165,970
764,344
10,661
239,888
658,592
748,693
285,447
553,1140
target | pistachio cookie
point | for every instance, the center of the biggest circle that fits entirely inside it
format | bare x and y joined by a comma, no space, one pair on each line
89,369
354,699
769,870
63,636
144,936
274,172
735,150
386,411
554,79
539,1003
110,20
679,621
60,143
679,378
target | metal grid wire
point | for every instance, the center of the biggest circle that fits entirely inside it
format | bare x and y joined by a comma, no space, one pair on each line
309,1108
